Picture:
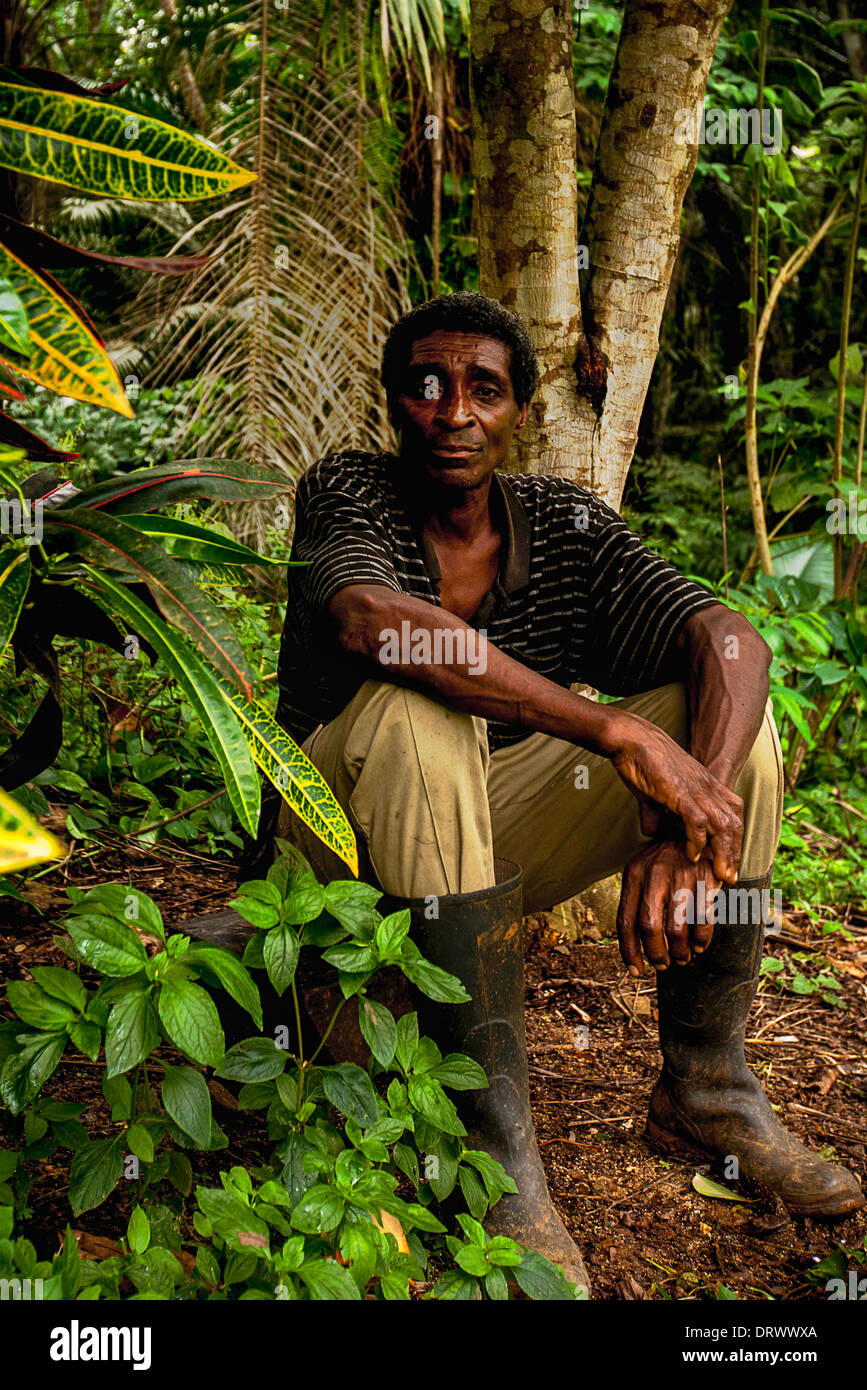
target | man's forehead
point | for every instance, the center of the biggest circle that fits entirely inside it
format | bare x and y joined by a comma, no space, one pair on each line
467,347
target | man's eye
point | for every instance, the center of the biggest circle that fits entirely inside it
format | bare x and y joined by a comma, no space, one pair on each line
490,390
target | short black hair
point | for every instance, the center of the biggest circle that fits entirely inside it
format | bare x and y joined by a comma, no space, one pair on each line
461,313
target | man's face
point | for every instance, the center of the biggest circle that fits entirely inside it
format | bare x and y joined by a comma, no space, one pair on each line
456,411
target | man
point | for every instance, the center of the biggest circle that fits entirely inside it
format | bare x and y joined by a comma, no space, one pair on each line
429,649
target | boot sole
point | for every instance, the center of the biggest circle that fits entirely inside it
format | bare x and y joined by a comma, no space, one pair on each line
677,1144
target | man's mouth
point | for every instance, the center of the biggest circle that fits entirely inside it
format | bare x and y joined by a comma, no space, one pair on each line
456,450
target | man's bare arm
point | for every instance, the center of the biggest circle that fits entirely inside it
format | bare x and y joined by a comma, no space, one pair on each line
726,676
650,764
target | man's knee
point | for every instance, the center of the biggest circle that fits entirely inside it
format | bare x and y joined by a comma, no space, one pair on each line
760,785
412,728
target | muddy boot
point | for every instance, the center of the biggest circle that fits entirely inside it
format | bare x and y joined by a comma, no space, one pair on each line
707,1099
477,937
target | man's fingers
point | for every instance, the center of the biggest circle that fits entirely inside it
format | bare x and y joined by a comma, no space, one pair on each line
627,927
650,817
696,837
702,929
653,914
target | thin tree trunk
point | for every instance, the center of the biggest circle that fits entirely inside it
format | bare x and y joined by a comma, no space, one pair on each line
436,154
595,364
196,107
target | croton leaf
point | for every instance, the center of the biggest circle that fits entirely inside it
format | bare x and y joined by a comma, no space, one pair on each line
148,488
67,354
98,148
180,601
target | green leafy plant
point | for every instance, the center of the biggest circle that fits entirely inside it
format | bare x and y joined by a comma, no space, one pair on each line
346,1206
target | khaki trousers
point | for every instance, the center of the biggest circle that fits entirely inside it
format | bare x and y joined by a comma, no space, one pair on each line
430,807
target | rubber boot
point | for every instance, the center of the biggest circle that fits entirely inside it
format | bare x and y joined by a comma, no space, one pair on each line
707,1100
477,936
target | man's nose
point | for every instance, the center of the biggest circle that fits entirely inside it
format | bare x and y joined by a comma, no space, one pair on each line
453,407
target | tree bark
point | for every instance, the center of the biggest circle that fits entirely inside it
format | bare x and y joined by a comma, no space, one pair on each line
597,343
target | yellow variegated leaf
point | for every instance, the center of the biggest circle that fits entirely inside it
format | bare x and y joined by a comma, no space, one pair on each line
293,774
95,147
23,842
66,355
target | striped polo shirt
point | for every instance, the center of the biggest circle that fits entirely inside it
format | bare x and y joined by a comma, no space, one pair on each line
579,597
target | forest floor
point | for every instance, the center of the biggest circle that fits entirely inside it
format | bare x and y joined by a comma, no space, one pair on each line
645,1232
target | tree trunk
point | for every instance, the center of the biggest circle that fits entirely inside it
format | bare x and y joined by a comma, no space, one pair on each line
597,347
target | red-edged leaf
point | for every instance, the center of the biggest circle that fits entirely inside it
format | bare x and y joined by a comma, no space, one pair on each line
14,434
50,81
149,488
179,600
38,250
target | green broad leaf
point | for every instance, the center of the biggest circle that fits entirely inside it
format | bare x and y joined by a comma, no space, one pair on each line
254,1059
706,1187
394,1287
502,1250
87,1037
359,1244
495,1285
263,915
232,1219
111,542
37,1008
351,1091
301,785
131,1034
471,1259
139,1142
392,932
541,1280
201,686
352,958
494,1176
191,542
95,1171
320,1209
474,1192
14,328
329,1282
14,583
281,951
138,1231
67,356
378,1029
353,905
105,944
455,1285
407,1041
61,984
437,984
91,145
232,975
190,1018
187,1101
304,903
430,1100
460,1073
25,1073
125,904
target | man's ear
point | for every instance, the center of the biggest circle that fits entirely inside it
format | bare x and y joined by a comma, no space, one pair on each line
522,417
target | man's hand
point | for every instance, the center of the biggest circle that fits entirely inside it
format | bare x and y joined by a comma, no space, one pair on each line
655,912
661,774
